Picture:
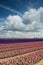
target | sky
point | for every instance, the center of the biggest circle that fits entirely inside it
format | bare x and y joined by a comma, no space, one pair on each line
21,18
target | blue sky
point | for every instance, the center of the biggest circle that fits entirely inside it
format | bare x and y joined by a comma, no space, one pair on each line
19,5
21,18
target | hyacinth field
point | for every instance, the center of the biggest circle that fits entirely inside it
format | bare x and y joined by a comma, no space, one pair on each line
25,53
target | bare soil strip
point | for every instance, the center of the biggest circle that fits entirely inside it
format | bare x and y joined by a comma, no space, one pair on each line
39,63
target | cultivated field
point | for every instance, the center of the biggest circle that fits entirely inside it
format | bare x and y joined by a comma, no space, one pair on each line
26,53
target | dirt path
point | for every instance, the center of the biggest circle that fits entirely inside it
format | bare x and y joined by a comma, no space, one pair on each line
39,63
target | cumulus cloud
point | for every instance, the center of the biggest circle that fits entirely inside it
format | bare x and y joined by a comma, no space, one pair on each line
34,19
30,25
16,21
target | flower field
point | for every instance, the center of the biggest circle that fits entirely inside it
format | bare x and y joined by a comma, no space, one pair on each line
24,53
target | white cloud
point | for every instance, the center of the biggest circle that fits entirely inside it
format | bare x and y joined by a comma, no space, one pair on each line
34,19
15,21
18,34
29,25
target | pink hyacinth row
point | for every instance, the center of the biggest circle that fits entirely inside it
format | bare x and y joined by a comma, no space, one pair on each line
28,59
